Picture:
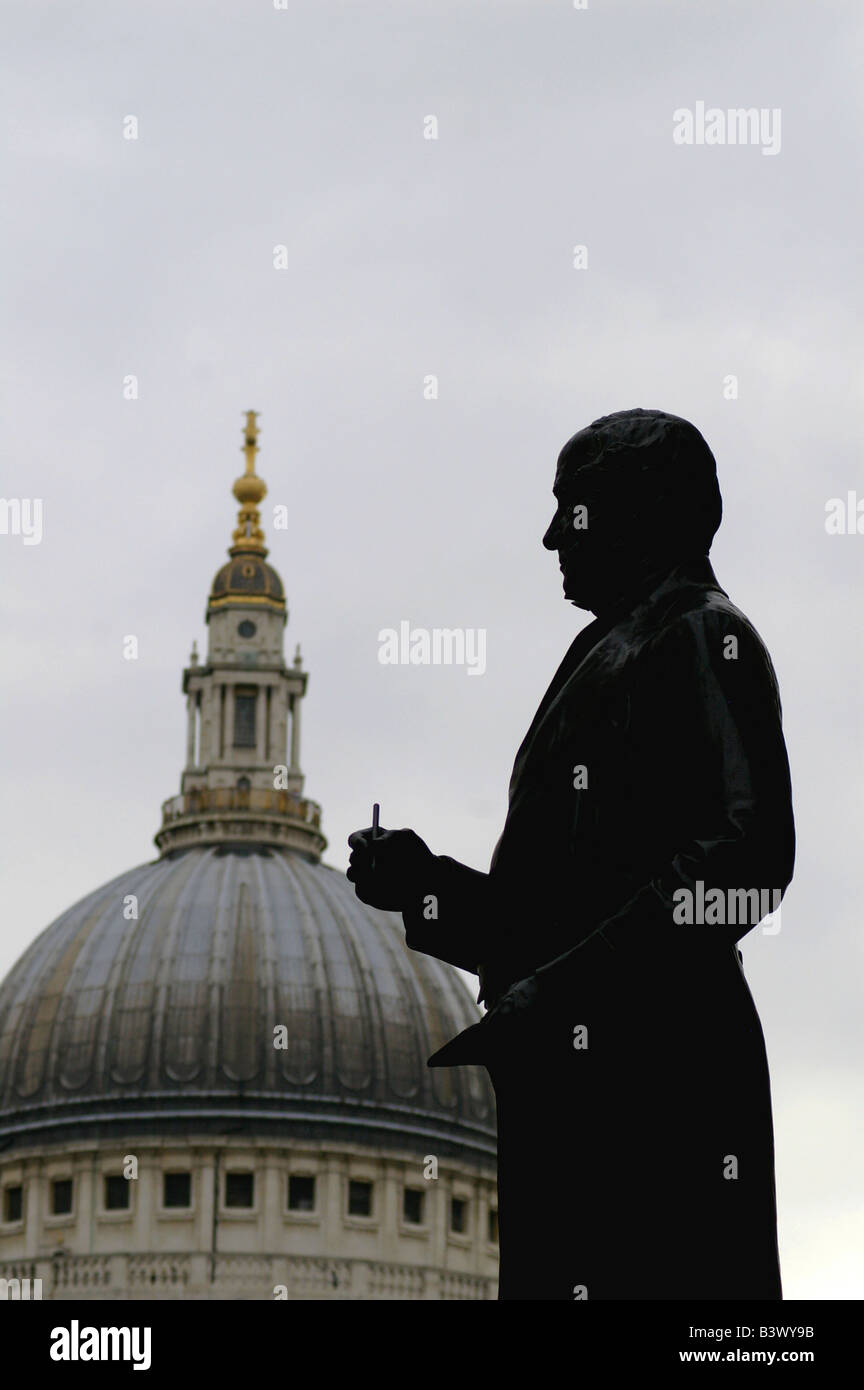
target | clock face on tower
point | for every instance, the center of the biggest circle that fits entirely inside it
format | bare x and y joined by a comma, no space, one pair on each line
246,629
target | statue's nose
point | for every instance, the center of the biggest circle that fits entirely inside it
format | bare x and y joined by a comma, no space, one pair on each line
550,540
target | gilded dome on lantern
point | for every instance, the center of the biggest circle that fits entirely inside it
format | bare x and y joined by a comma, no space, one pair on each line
247,577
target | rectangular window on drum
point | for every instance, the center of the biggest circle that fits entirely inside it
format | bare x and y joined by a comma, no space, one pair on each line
301,1192
359,1198
412,1206
458,1215
244,718
13,1203
239,1189
61,1197
117,1189
176,1189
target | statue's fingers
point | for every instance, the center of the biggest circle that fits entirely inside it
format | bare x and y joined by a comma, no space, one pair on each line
360,839
363,857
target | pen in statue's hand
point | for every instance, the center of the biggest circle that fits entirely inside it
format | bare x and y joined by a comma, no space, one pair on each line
390,869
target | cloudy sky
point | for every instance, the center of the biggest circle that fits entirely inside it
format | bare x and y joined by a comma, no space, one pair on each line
722,283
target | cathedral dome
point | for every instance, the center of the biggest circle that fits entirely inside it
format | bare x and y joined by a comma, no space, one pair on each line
213,1078
253,990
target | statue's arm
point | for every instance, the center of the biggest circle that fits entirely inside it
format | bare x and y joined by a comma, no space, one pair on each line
451,914
446,907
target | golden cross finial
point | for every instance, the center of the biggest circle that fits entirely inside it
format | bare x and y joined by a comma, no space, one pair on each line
250,446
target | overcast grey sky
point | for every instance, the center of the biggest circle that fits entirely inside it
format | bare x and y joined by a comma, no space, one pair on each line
408,257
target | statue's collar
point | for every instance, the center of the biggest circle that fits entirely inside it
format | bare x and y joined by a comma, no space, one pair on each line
697,571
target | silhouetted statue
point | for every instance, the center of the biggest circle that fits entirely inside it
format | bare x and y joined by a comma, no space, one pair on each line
651,792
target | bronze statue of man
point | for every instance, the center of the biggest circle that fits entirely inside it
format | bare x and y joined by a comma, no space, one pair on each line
649,828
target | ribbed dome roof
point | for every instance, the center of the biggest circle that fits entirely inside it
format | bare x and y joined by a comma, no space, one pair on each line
167,1022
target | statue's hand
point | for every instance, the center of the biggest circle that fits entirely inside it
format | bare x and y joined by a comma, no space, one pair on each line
390,870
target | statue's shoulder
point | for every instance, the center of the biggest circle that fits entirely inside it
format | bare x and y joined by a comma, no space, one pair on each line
701,628
688,609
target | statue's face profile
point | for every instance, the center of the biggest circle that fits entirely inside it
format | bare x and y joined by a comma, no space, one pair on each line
583,528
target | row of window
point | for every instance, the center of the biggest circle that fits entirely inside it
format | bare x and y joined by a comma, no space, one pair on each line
239,1192
176,1192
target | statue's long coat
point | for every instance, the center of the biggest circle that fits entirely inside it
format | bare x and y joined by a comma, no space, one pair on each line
636,1154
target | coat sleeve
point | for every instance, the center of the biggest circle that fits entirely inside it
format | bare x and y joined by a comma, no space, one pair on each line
710,760
451,917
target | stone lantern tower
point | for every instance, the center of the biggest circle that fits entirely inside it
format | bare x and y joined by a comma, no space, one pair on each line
242,780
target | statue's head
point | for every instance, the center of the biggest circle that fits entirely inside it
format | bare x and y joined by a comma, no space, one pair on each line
636,494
